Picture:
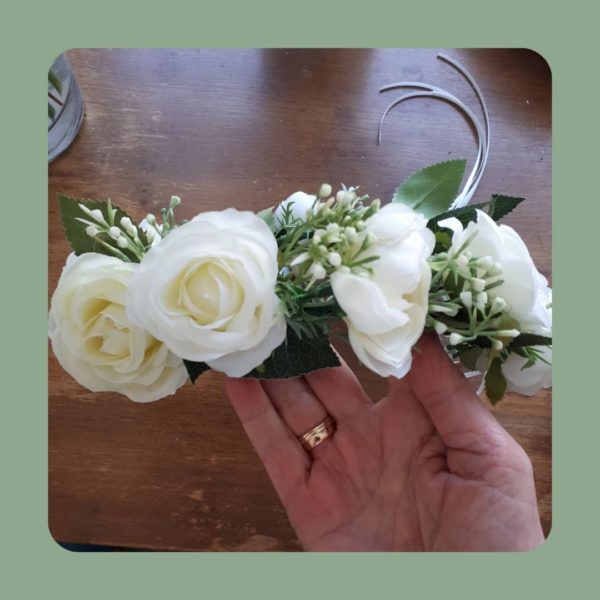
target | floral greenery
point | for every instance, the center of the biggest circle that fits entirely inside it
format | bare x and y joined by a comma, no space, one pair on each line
331,236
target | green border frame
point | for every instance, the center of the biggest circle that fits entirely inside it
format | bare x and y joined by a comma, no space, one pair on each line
33,564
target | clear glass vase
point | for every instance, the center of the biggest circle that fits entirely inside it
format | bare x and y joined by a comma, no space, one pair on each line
65,109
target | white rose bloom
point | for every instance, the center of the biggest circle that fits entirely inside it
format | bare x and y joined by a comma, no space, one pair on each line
529,381
386,311
208,291
502,243
95,342
299,203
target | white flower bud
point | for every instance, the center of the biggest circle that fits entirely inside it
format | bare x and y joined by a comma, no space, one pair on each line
375,205
339,197
122,242
481,299
150,234
371,238
498,305
129,227
350,234
92,230
115,233
478,284
440,327
456,338
332,228
335,260
467,299
175,201
323,249
151,219
360,225
325,191
95,214
497,345
317,271
462,261
486,263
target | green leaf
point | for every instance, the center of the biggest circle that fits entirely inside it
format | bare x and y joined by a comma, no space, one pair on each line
497,207
195,369
469,358
268,216
495,383
51,111
54,81
530,339
432,190
80,241
296,357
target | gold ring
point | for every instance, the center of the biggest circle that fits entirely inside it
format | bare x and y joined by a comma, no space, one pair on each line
311,439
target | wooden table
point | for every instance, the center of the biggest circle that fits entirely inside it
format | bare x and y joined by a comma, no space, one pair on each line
245,128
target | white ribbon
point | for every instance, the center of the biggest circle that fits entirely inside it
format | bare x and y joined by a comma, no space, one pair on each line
483,134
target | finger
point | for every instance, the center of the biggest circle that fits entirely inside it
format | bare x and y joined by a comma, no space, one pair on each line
339,391
295,403
456,412
284,458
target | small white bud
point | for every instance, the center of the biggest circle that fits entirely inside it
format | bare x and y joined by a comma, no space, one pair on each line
375,205
360,225
332,228
175,201
95,214
92,230
481,298
440,327
125,223
371,238
497,345
151,219
462,261
344,269
350,233
467,299
325,191
150,234
339,197
456,338
335,260
115,233
317,271
323,249
498,305
478,284
122,242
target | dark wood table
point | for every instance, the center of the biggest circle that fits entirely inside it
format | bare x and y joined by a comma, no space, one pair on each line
245,128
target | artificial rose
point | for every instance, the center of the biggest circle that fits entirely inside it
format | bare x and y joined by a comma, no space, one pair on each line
539,321
208,291
95,342
299,204
502,243
386,310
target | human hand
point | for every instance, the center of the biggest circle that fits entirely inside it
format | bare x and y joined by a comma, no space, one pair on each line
427,468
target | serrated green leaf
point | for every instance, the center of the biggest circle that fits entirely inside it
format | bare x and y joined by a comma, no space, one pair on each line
495,382
497,207
195,369
268,216
75,233
530,339
296,357
432,190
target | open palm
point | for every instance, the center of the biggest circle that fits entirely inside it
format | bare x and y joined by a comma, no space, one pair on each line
426,468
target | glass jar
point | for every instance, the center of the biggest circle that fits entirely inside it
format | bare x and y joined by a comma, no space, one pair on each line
65,108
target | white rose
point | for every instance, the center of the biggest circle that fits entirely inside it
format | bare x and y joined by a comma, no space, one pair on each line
299,203
528,381
502,243
95,342
208,291
386,311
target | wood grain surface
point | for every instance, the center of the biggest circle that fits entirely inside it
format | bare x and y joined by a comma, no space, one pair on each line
246,128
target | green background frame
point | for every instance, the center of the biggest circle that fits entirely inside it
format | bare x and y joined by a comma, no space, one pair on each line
33,565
